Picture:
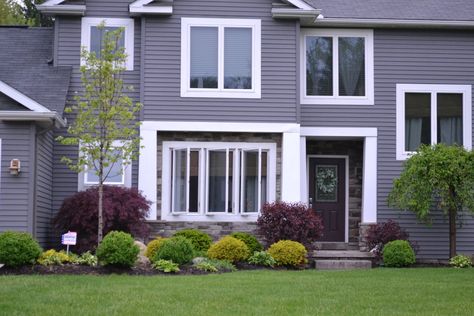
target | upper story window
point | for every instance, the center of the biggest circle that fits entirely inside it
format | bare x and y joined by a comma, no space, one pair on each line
92,37
220,58
337,66
431,114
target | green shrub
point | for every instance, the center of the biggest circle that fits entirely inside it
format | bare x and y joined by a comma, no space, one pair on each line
118,249
52,257
200,240
288,253
230,249
262,258
177,249
250,240
166,266
153,246
398,253
18,249
214,265
460,261
87,259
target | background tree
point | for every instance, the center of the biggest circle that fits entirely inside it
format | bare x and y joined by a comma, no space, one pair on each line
104,114
437,175
11,13
33,16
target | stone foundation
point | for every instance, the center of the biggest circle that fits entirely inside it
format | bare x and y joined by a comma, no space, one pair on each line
362,240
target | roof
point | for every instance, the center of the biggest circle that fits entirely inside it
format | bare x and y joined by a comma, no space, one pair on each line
441,10
26,55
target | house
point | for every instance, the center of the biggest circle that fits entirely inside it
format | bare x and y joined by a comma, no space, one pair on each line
318,101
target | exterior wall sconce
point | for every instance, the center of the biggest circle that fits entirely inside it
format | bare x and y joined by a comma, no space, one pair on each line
15,167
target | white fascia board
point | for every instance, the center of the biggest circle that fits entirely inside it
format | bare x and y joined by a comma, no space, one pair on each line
339,131
140,7
186,126
300,4
361,23
62,9
21,98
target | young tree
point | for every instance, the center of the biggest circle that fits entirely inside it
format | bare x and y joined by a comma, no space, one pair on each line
33,16
437,175
104,114
10,13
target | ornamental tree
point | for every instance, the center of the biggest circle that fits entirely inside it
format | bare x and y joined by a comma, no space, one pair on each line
105,126
437,176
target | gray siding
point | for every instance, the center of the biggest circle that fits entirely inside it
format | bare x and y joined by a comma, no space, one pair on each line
15,200
162,58
44,186
406,56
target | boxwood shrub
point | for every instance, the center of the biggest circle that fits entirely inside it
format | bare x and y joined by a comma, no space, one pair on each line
398,253
118,249
177,249
17,249
200,240
288,253
230,249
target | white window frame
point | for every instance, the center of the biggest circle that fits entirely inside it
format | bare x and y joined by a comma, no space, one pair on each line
368,99
204,148
127,24
83,182
433,89
220,92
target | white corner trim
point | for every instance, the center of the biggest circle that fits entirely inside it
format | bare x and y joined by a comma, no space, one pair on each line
368,99
290,166
22,98
433,89
300,4
147,169
129,31
186,126
339,131
220,92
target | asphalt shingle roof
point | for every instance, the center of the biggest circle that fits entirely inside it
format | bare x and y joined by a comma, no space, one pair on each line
24,56
453,10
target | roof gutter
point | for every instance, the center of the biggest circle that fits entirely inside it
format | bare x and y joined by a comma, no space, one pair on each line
64,9
390,23
53,117
286,13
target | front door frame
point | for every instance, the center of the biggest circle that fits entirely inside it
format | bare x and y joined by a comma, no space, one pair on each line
346,187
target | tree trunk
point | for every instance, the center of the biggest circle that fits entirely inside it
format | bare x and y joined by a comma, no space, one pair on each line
100,219
452,233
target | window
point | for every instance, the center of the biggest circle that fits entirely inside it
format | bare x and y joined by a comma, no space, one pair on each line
430,114
204,180
92,37
337,66
220,58
117,173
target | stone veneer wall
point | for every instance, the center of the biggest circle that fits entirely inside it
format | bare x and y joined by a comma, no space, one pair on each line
353,149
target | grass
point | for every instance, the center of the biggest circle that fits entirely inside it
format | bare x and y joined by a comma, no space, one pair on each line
420,291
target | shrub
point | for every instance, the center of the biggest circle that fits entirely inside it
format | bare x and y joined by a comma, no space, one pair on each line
118,249
200,240
230,249
381,233
214,265
206,266
398,253
262,258
87,259
250,240
53,257
460,261
286,221
177,249
288,253
125,209
166,266
153,246
18,249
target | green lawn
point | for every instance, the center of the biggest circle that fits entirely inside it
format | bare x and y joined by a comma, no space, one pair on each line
419,291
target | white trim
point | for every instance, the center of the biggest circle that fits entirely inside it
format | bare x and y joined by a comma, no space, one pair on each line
22,98
346,188
140,6
290,164
220,92
203,214
369,184
52,2
129,29
433,89
368,99
381,23
304,191
300,4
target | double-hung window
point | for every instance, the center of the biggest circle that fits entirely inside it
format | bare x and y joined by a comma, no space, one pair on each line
337,66
220,58
431,114
221,180
92,36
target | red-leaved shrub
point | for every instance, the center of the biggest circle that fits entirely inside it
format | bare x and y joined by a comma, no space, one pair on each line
378,235
125,209
289,221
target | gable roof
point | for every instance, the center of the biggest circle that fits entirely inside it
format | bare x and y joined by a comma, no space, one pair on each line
438,10
26,72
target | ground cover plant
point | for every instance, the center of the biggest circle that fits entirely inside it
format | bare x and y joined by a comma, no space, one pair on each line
427,291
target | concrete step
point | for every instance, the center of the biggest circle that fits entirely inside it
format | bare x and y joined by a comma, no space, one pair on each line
336,246
341,254
342,264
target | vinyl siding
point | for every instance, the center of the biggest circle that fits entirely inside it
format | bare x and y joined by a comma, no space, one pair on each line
162,59
15,191
416,57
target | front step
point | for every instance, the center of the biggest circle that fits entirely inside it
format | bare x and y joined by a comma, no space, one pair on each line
341,259
341,254
342,264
